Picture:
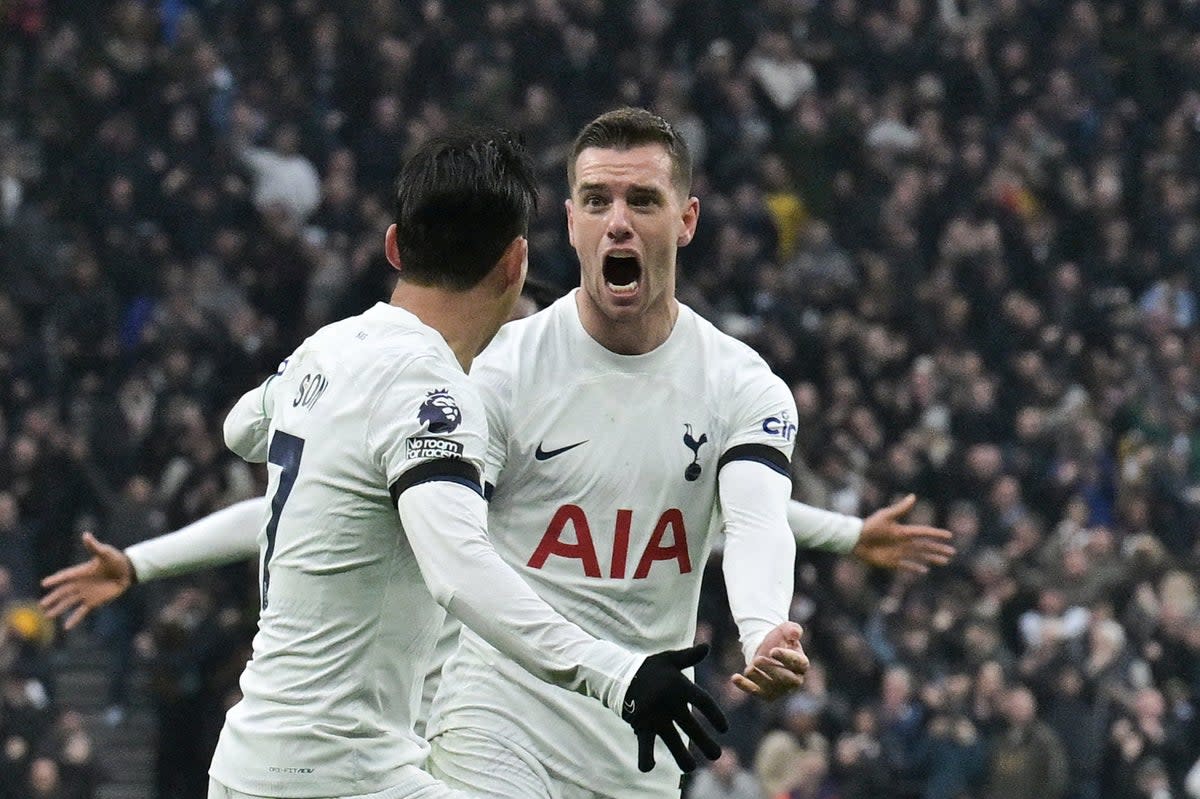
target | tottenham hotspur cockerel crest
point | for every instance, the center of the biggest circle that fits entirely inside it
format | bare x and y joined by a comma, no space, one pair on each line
439,412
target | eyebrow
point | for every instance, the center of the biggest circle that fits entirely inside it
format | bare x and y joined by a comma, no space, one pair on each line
653,191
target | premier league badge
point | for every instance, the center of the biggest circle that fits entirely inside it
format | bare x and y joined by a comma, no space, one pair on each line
439,412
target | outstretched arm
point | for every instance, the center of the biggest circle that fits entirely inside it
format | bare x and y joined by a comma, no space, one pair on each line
880,540
229,535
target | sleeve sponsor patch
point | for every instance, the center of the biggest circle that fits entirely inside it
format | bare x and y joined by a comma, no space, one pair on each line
427,447
780,425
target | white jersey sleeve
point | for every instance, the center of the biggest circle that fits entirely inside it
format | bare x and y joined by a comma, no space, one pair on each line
438,432
762,413
765,410
227,536
817,528
248,425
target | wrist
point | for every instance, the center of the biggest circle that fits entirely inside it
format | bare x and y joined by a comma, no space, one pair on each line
130,568
616,699
850,536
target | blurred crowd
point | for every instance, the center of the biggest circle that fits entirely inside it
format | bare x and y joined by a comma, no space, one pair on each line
966,232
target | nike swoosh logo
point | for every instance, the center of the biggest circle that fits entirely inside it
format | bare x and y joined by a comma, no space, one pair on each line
547,454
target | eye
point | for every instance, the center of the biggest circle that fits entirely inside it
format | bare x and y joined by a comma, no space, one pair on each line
593,201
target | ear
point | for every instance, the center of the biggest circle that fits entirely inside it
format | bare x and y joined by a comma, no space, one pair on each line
570,220
691,215
391,249
514,264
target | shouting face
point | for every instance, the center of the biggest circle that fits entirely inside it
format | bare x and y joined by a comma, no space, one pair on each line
626,220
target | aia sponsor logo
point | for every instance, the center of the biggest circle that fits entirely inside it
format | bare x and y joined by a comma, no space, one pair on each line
668,542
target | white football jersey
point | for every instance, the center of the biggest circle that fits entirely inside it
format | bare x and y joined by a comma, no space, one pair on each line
603,472
347,624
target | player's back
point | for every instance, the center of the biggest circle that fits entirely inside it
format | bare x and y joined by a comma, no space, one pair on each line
346,624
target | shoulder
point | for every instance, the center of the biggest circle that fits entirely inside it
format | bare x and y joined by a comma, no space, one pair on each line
517,342
733,366
407,365
428,395
364,333
733,352
522,335
382,347
432,369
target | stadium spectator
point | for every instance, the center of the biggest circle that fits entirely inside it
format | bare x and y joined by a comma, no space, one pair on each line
725,779
1027,759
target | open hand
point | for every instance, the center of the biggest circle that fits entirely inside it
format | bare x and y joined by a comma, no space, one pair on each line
89,585
888,543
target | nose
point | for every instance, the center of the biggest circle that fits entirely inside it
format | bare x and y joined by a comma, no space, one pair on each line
618,222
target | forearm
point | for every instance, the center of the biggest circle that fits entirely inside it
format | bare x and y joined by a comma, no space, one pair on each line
227,536
760,554
815,528
447,529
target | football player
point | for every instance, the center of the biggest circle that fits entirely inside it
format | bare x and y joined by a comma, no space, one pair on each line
625,433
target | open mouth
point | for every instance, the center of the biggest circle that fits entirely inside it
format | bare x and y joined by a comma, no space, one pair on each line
622,273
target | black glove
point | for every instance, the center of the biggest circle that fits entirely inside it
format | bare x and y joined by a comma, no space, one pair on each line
658,699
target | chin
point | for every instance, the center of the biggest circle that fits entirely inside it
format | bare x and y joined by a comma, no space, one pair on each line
618,308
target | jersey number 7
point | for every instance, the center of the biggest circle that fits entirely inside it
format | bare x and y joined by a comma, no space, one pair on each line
285,452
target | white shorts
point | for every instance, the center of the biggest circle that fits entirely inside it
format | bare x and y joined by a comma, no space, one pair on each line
491,767
416,784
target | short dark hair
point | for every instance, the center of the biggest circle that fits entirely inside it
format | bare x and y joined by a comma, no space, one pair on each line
624,128
460,201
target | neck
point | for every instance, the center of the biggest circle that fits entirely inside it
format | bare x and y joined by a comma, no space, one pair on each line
636,335
467,319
